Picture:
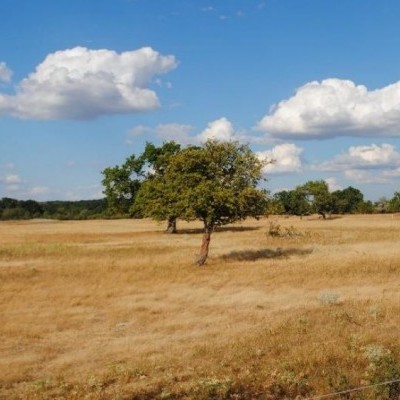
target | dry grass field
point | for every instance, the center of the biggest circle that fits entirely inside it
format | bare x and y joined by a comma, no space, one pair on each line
115,310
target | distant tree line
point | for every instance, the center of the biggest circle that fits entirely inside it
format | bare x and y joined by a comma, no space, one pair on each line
289,202
12,209
314,197
169,183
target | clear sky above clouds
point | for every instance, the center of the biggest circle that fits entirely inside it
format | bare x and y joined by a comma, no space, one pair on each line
314,84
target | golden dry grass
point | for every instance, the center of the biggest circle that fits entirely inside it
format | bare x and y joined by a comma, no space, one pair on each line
116,310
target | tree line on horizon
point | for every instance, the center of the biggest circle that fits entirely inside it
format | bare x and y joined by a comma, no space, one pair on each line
125,185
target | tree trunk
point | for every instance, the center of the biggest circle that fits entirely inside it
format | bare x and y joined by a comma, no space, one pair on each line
171,228
202,257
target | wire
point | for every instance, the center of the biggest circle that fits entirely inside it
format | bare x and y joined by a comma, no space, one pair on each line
358,389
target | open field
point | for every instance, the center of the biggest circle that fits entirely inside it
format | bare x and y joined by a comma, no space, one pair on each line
116,310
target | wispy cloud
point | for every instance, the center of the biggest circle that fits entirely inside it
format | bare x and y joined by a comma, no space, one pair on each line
5,73
177,132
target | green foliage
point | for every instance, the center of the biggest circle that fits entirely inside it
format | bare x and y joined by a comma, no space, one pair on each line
318,196
26,209
383,367
347,201
121,184
365,207
274,207
157,158
276,230
215,183
294,202
381,206
394,203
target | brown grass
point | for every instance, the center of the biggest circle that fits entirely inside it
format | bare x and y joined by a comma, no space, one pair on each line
116,310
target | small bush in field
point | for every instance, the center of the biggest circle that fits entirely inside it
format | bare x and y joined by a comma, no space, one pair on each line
276,230
383,367
328,298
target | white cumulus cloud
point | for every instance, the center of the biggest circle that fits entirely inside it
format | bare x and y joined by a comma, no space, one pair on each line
364,157
81,83
335,107
287,158
220,129
365,164
5,73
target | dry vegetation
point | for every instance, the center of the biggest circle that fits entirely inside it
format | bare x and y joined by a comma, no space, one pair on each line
115,310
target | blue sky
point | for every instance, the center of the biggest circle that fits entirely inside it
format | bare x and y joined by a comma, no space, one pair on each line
314,84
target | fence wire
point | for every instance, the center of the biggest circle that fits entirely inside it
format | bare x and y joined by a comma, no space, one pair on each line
357,389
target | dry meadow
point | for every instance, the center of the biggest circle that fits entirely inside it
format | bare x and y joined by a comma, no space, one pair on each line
115,309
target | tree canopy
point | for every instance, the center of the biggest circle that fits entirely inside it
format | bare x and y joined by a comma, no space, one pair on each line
122,182
215,183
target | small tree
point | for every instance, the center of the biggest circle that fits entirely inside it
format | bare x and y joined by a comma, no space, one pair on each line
215,183
394,203
121,184
319,197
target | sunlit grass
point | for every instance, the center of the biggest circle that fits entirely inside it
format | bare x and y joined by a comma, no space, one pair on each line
115,309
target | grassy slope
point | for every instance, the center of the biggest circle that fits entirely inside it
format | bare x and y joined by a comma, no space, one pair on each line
114,309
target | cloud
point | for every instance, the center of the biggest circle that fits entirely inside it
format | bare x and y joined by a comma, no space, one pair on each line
38,190
220,129
5,73
365,164
364,157
12,188
393,173
335,107
10,182
363,176
11,179
80,83
287,159
177,132
333,184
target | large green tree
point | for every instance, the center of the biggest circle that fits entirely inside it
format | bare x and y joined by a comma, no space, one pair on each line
155,199
215,183
122,182
294,202
347,200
